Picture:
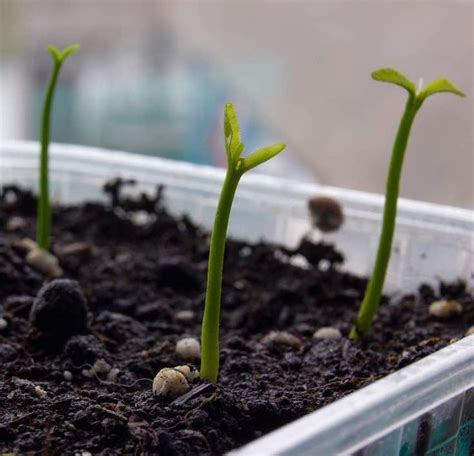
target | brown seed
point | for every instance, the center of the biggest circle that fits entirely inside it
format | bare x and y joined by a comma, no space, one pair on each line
326,213
327,332
445,309
282,338
79,249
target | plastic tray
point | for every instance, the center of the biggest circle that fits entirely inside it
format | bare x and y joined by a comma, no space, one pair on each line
433,397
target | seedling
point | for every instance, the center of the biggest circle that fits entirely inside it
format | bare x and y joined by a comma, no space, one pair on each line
236,167
43,227
416,97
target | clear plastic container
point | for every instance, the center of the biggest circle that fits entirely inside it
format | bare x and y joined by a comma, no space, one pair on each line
429,403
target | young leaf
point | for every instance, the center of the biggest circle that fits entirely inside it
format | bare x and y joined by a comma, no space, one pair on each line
394,77
439,86
260,156
233,144
59,56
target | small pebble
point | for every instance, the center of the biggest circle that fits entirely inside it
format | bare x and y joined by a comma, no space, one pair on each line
60,308
67,376
3,323
282,338
188,349
40,392
470,331
44,262
185,315
299,261
327,333
189,372
142,218
445,309
15,224
101,367
24,245
112,375
88,373
170,382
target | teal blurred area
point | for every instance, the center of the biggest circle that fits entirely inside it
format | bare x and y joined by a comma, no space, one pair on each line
133,86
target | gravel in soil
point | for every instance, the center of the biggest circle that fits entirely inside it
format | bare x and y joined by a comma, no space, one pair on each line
143,274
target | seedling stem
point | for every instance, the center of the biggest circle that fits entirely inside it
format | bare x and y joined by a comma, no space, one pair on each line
43,224
236,167
416,97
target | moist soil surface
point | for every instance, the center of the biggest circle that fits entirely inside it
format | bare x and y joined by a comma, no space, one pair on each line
139,269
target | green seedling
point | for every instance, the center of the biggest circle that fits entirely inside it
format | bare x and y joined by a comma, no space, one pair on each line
43,227
236,167
416,97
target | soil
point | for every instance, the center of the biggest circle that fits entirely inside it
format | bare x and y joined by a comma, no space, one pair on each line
139,267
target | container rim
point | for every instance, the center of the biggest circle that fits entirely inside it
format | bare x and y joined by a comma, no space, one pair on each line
255,180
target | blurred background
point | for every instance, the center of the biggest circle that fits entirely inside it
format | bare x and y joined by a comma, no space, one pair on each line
152,77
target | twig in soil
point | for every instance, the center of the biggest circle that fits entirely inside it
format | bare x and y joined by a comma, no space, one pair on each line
192,394
206,401
115,415
187,416
48,429
19,419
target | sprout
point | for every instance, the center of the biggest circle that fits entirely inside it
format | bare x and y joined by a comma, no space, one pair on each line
43,228
416,97
236,167
173,381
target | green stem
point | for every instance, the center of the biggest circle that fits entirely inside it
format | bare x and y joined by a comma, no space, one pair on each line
211,318
374,290
43,227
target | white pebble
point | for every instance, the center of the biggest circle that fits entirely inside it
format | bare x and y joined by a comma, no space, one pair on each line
44,262
101,367
142,218
88,373
26,244
188,348
67,376
40,392
445,309
327,332
170,382
299,261
15,223
282,338
184,315
112,375
189,372
470,331
3,323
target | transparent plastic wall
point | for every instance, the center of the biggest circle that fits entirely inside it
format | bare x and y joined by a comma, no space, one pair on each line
426,408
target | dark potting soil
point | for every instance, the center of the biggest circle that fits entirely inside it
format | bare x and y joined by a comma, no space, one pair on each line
139,271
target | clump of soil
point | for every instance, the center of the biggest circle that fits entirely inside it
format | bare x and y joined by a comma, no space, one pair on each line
143,274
